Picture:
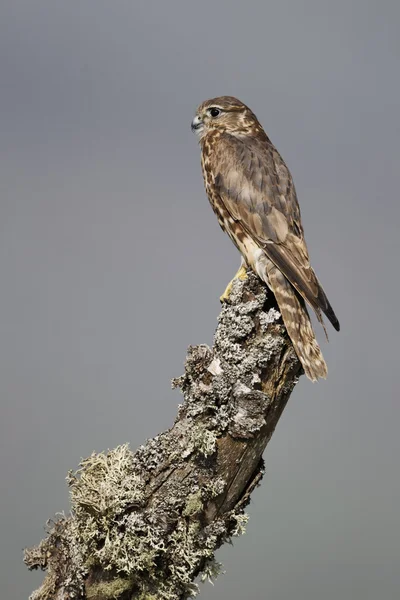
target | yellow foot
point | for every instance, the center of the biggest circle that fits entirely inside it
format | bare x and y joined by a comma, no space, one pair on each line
242,275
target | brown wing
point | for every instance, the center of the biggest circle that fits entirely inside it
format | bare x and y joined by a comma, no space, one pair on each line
257,189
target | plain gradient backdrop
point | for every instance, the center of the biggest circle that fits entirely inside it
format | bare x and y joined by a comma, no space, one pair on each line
112,263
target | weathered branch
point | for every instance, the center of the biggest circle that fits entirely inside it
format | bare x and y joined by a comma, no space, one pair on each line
145,524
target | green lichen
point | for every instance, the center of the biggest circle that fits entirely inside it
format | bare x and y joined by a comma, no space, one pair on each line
108,590
201,440
106,483
204,440
194,504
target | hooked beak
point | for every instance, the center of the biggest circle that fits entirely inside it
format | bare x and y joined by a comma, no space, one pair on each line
197,123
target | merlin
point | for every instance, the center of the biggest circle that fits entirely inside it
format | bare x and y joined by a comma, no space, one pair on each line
252,193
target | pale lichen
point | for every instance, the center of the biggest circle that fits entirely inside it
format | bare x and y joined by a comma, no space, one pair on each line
241,520
211,570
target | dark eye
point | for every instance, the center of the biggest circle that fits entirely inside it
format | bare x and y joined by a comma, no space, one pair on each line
214,112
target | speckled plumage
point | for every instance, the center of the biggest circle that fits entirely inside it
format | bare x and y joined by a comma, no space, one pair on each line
252,193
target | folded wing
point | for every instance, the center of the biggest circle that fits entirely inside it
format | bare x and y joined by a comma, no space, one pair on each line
257,189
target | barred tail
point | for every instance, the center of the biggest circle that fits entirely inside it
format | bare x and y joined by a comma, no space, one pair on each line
297,322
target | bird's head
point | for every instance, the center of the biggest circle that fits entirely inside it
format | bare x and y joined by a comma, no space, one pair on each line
224,114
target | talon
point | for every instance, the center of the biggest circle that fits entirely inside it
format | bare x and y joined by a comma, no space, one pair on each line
242,275
227,292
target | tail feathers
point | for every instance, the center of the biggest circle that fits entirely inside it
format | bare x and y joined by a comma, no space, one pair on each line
298,324
321,321
324,304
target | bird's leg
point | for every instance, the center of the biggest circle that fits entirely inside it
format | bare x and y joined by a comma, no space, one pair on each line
241,274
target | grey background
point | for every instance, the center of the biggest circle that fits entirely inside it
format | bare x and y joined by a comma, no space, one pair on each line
112,263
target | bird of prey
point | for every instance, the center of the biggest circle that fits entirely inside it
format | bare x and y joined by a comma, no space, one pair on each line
252,193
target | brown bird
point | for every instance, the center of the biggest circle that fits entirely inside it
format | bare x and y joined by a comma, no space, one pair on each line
252,193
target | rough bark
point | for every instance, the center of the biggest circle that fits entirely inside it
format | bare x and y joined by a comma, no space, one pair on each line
145,524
